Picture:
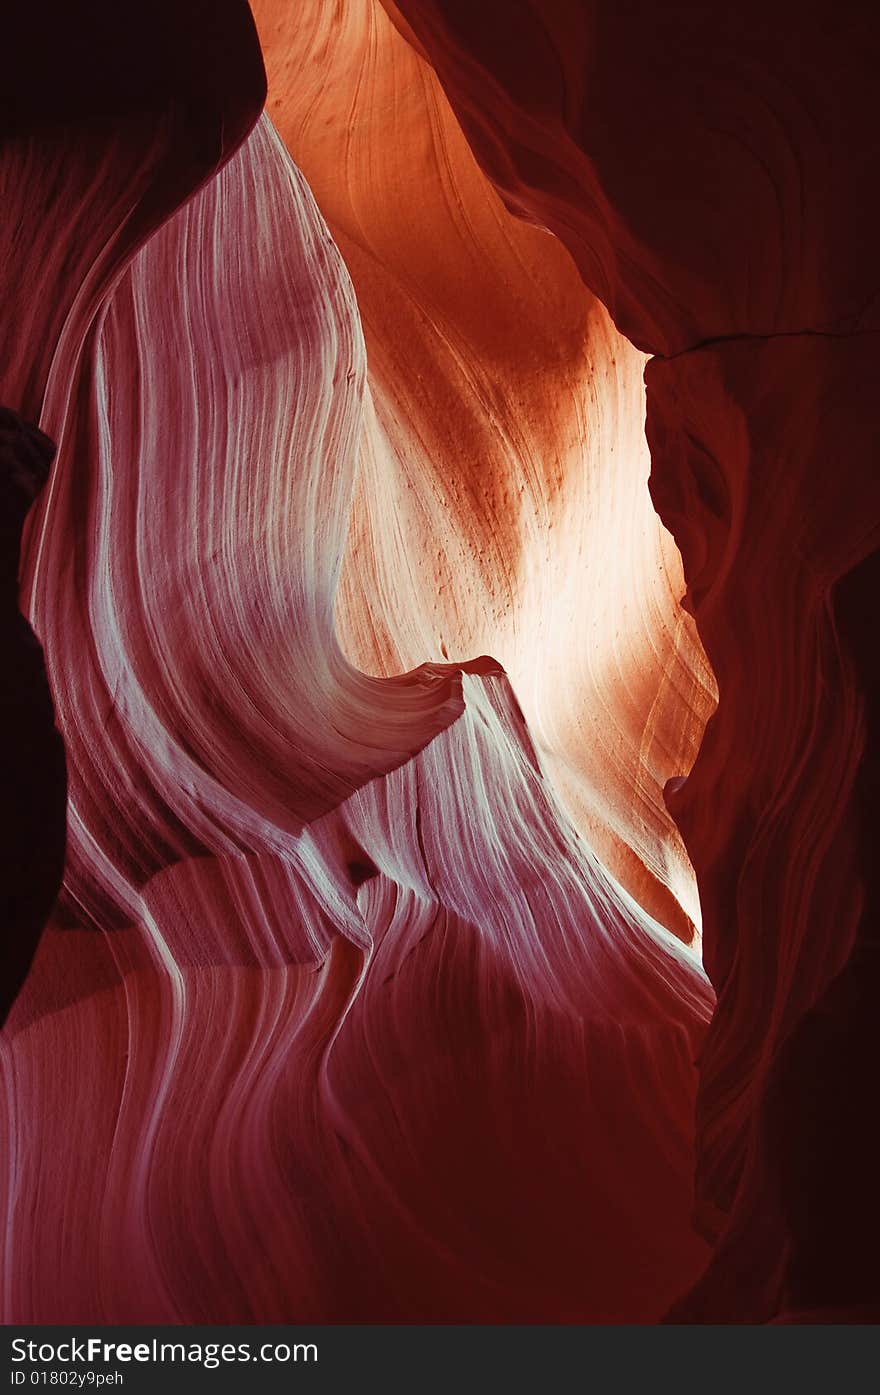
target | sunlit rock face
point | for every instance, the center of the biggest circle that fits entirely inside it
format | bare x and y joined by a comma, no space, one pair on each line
501,503
372,993
711,179
340,1015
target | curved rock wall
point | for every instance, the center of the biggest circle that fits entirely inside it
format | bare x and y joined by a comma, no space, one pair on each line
395,778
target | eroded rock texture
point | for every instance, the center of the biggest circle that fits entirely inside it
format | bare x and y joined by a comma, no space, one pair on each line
338,1007
711,179
501,486
373,991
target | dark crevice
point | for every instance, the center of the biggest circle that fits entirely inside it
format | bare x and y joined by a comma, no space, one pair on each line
719,340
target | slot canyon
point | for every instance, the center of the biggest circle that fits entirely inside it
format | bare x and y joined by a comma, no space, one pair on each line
440,542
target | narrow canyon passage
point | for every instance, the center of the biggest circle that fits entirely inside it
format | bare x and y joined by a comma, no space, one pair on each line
446,590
